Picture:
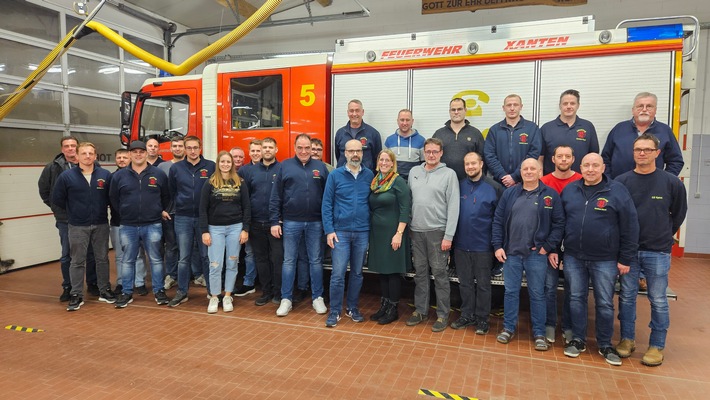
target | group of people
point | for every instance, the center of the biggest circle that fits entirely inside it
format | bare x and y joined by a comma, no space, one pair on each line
537,200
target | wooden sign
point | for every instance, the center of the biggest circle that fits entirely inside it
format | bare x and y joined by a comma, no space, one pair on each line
444,6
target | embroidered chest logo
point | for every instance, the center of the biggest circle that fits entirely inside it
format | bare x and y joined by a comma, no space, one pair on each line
601,204
363,142
152,181
316,174
582,135
547,200
203,173
523,138
100,183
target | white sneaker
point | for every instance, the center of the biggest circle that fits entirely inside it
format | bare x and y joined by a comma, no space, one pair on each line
200,281
319,305
169,282
227,304
214,305
284,308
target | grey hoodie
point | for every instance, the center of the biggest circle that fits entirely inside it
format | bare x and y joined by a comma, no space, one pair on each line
435,199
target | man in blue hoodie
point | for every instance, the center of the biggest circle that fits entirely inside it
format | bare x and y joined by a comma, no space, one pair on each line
357,129
511,141
601,238
87,208
140,194
186,180
346,223
295,213
406,143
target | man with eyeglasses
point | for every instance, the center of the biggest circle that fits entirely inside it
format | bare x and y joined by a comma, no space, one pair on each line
618,155
186,180
317,152
661,203
459,138
511,141
357,129
435,214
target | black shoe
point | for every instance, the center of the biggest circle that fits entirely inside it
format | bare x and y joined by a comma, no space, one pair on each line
161,298
107,296
391,313
463,322
75,302
575,348
93,289
381,312
482,328
276,300
244,290
123,300
263,300
179,298
300,295
118,290
141,290
66,294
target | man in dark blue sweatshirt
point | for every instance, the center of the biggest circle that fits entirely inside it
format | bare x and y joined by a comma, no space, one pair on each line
295,203
140,194
83,193
601,238
357,129
186,180
268,250
661,203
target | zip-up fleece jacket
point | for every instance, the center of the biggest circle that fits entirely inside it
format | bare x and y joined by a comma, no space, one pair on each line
602,228
457,145
345,201
46,183
435,200
139,198
186,181
86,203
479,200
409,151
368,136
260,180
506,147
550,223
297,192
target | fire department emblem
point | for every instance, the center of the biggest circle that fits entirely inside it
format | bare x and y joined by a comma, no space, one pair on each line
601,203
152,181
548,201
316,173
203,173
363,142
581,134
523,138
100,183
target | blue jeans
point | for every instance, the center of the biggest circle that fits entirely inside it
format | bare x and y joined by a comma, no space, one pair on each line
171,247
535,267
293,232
250,273
150,237
224,237
551,282
187,231
65,259
302,274
351,248
118,252
603,275
655,266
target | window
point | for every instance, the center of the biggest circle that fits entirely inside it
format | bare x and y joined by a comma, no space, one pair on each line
165,117
85,110
257,102
19,59
28,19
94,42
28,146
40,105
92,74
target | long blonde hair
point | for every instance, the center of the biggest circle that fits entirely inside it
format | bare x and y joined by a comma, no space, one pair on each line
216,179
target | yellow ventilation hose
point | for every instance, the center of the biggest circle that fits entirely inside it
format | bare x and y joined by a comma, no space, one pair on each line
188,65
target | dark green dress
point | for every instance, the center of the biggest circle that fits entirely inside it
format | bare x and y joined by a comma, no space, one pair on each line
388,209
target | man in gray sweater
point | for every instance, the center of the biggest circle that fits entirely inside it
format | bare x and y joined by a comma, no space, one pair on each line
435,213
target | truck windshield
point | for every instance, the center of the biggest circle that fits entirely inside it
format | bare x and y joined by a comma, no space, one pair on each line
165,117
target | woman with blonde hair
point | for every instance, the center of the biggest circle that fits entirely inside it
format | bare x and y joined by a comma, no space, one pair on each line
225,215
389,255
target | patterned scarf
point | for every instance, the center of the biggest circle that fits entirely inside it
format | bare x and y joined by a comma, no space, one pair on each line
381,184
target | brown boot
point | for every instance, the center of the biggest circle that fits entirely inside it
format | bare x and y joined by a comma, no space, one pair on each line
653,357
626,347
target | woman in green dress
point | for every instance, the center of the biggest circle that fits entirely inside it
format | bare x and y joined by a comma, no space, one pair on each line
389,254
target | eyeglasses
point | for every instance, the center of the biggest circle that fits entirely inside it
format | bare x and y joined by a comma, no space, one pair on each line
644,151
456,109
190,148
316,150
432,152
646,106
353,151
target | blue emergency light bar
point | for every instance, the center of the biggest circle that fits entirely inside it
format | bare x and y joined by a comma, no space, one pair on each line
658,32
